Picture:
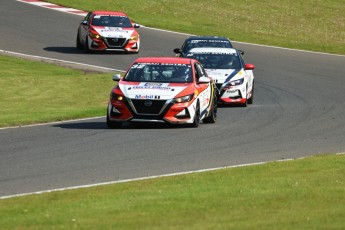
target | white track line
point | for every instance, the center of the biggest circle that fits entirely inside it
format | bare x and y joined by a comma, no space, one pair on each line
135,179
57,60
54,7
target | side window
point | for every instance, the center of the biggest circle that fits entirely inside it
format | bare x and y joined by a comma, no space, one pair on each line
200,72
242,59
87,17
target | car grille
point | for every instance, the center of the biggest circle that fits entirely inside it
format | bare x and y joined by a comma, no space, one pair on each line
115,42
153,107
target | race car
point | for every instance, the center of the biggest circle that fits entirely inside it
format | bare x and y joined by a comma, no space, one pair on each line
233,77
108,30
202,41
163,89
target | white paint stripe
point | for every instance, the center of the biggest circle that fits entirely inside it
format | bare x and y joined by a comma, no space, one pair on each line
58,60
51,123
52,6
150,177
135,179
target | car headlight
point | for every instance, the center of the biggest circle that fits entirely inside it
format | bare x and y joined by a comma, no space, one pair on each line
116,97
236,82
134,37
94,35
184,98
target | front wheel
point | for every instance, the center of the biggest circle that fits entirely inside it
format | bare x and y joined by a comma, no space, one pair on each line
251,99
196,120
78,43
113,124
213,114
86,46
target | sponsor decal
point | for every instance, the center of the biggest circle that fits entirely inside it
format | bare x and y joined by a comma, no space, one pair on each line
158,86
147,96
157,63
211,41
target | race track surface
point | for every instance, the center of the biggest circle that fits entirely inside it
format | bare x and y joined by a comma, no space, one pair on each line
298,111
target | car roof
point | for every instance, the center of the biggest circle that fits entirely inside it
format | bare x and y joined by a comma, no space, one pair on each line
170,60
117,13
213,50
207,38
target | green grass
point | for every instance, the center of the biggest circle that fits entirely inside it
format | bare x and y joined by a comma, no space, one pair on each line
316,25
34,92
301,194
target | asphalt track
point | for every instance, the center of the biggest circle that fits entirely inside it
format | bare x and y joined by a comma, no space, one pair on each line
298,111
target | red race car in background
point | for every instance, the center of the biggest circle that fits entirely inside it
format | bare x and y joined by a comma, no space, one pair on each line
108,30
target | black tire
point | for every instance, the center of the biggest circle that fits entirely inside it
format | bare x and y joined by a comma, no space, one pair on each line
251,99
113,124
196,120
212,118
78,43
86,46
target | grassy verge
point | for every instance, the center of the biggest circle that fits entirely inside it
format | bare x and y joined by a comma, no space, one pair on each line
315,25
301,194
34,92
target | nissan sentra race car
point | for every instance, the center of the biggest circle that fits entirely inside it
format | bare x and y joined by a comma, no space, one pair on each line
108,30
163,89
202,41
233,77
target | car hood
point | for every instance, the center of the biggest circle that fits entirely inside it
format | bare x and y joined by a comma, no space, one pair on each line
151,90
114,32
224,75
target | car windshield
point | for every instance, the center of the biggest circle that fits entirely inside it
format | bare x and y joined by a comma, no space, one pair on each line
190,44
159,72
111,21
217,60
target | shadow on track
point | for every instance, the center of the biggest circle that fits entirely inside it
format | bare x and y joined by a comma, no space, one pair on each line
126,125
74,50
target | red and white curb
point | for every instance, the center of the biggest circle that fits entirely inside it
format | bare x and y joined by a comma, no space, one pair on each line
54,7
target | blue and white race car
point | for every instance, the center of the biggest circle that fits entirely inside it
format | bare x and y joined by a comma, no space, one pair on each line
233,77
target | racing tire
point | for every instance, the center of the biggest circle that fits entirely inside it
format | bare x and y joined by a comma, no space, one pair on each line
213,114
78,43
86,46
196,120
113,124
251,99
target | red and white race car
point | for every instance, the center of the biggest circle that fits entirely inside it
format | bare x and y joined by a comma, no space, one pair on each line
108,30
234,78
163,89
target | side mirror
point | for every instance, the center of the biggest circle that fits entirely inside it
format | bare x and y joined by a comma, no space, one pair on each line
177,51
241,51
204,80
249,67
117,77
84,23
136,25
